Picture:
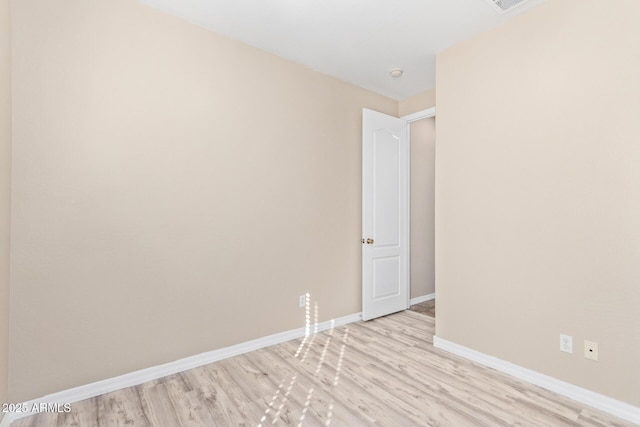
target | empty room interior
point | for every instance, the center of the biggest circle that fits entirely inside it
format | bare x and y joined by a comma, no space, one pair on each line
386,212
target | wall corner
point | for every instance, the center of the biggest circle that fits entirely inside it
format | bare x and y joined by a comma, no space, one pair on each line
419,102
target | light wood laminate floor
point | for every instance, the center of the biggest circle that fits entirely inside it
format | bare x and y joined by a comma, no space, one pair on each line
427,308
384,372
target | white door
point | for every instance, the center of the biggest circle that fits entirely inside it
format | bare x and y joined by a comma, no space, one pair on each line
385,215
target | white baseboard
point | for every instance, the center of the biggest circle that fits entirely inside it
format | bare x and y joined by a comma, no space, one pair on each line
423,298
587,397
138,377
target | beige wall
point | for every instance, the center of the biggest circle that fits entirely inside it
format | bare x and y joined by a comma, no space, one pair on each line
537,194
175,192
423,156
421,101
5,191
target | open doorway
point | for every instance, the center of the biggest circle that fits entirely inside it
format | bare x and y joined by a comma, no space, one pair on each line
422,212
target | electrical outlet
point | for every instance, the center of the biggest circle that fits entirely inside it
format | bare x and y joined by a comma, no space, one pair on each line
591,350
302,301
566,343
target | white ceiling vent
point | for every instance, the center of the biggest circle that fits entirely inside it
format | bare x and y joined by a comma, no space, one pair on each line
502,6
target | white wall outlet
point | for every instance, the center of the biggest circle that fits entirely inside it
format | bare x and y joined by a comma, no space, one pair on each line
302,301
591,350
566,343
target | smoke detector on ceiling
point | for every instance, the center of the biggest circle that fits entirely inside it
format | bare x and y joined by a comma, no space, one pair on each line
502,6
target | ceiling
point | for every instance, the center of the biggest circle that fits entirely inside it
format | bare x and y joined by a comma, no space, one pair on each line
358,41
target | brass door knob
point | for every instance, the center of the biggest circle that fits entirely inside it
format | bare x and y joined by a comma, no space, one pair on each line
369,241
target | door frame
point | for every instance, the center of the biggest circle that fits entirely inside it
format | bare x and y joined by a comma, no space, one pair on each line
410,118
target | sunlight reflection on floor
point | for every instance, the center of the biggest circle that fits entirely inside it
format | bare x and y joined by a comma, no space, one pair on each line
311,333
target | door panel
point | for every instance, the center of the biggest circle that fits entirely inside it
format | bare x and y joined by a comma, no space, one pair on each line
386,277
385,215
386,181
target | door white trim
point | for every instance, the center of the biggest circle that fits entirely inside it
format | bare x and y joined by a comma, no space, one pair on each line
423,114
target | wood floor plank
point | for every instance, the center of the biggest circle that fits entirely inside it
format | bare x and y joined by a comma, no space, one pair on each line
227,402
592,418
320,381
162,412
205,392
87,417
